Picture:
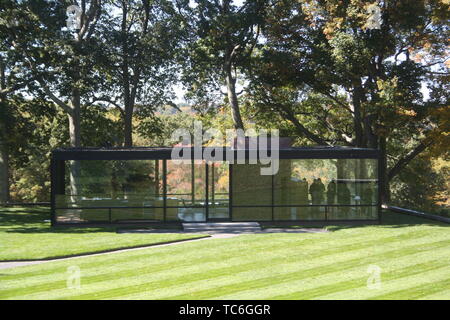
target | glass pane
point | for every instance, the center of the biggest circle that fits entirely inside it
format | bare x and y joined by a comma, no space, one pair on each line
186,184
186,214
252,214
299,213
356,181
111,183
353,213
73,215
218,190
137,214
302,182
326,181
249,186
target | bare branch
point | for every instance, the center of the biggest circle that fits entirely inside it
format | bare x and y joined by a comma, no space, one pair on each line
105,99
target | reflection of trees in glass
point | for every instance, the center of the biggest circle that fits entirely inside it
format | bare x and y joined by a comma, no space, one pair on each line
219,175
367,194
115,179
186,181
138,176
314,168
356,174
94,178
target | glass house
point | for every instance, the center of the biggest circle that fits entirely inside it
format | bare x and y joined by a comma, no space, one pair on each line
144,185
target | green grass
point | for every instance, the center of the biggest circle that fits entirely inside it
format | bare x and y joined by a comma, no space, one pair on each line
25,235
412,254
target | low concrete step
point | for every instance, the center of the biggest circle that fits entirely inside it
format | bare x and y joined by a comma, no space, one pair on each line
221,224
223,227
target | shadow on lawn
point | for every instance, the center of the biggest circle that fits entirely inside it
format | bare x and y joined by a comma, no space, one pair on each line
23,217
37,220
61,230
390,219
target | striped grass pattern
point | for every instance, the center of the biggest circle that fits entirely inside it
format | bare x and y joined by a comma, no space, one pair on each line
26,235
414,260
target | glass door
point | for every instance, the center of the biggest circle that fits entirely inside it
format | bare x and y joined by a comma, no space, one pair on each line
186,195
218,191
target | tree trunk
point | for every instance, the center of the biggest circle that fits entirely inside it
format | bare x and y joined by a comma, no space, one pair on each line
384,183
302,131
127,99
75,142
75,122
357,118
232,97
4,173
404,161
128,126
4,157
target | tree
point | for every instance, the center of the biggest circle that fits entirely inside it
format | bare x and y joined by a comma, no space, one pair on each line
142,37
224,38
39,126
13,79
372,77
60,59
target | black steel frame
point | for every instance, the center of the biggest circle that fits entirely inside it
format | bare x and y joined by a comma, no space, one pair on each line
59,156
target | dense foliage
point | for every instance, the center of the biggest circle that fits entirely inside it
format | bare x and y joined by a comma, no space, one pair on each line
366,74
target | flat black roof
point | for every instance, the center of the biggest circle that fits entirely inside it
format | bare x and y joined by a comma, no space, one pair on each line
153,153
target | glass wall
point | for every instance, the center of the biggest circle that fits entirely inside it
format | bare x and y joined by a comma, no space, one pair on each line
100,190
326,189
133,191
307,189
166,190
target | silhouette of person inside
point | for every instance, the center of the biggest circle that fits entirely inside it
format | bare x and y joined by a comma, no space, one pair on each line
303,191
320,191
331,192
343,195
317,191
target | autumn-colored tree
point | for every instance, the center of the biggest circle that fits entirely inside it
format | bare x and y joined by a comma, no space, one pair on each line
366,63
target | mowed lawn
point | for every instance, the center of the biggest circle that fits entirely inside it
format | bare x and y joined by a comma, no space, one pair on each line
25,234
412,255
